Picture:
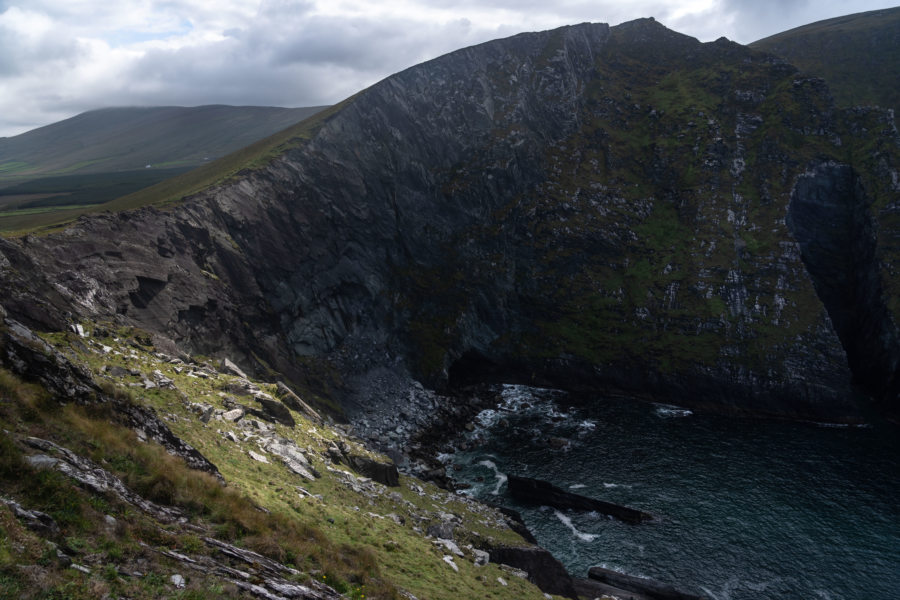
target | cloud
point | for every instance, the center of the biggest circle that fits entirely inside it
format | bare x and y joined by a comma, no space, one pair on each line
61,57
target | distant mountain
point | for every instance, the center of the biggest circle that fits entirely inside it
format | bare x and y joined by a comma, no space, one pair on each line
121,139
859,55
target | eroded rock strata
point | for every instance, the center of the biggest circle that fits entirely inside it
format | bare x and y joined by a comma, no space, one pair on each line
591,207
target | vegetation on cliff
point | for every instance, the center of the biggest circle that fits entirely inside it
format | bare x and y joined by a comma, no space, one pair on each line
592,207
288,495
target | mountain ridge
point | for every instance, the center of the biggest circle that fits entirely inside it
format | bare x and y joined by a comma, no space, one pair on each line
568,230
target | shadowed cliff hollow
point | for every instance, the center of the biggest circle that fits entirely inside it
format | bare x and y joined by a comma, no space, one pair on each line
588,207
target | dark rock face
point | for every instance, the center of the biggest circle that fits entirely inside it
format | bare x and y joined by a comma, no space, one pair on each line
543,569
829,215
648,587
589,207
276,411
535,491
383,473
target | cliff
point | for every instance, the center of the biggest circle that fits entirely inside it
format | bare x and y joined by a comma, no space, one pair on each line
591,207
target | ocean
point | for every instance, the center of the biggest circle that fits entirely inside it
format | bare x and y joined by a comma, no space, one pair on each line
745,509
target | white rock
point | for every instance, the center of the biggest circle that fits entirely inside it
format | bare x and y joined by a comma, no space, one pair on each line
177,580
449,560
502,581
110,522
233,415
258,457
481,557
450,545
230,367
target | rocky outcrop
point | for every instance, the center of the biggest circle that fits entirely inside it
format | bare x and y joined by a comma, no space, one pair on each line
293,401
96,478
830,215
29,356
589,208
535,491
384,473
649,588
543,569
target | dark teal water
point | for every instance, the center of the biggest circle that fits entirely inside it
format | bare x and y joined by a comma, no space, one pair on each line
746,509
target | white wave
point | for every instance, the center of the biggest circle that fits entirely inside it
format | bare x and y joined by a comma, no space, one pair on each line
585,537
587,425
500,477
845,425
577,486
669,411
487,418
615,485
445,457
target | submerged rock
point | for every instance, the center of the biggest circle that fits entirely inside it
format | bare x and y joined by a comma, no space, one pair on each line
535,491
648,587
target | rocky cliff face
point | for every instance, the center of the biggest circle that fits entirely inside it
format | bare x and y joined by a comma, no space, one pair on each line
589,207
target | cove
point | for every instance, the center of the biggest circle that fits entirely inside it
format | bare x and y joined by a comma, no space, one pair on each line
745,509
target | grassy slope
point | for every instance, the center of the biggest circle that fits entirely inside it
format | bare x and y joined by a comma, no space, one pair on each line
859,55
117,139
174,189
337,535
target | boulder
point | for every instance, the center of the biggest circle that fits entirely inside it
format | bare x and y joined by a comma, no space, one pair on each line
241,387
117,371
383,473
481,557
295,403
233,415
232,369
441,531
276,411
258,457
292,457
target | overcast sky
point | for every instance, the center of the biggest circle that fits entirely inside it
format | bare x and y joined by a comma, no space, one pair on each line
62,57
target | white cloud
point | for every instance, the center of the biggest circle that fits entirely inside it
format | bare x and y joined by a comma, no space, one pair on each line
61,57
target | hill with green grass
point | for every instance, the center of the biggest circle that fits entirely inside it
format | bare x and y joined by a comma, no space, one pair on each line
132,138
52,174
859,55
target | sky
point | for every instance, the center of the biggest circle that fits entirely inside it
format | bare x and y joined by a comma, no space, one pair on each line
59,58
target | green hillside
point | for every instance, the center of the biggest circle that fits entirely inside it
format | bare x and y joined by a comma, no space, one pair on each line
32,201
123,139
859,55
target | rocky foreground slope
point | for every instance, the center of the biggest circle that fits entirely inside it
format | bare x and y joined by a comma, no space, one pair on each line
127,472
